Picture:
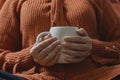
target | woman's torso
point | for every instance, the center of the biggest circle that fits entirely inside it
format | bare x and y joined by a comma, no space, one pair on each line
39,15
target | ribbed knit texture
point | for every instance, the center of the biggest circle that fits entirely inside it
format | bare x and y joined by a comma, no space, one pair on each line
116,4
22,20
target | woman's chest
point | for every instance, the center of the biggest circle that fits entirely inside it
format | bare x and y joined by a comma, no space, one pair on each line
36,13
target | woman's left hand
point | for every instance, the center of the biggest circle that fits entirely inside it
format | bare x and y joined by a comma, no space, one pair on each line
79,47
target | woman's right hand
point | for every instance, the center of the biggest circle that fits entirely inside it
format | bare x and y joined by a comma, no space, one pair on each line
46,52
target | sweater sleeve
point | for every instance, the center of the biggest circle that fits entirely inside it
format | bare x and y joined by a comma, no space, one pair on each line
12,57
106,50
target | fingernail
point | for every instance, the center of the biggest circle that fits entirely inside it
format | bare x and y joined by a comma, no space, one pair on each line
49,35
54,38
63,43
59,46
107,48
81,30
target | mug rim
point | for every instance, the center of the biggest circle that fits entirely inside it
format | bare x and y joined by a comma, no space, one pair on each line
64,27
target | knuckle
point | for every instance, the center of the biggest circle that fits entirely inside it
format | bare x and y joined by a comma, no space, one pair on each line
33,54
48,58
56,50
87,53
44,52
37,61
89,41
31,50
89,46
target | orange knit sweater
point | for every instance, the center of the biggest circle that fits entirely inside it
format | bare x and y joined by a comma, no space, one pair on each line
116,4
22,20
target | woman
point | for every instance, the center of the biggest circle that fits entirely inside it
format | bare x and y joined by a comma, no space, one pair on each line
22,20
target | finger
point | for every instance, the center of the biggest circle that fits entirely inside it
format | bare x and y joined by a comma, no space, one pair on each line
40,46
41,39
39,57
76,39
74,60
75,46
52,55
76,53
33,52
45,52
55,60
48,36
82,32
42,34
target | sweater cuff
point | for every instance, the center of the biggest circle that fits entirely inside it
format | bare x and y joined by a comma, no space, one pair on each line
104,53
2,56
18,61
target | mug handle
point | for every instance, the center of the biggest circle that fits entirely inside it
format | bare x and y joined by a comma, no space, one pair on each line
42,34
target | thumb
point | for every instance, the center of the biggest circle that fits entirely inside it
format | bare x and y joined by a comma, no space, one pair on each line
82,32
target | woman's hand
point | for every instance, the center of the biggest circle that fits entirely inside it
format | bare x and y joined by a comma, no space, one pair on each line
46,52
79,47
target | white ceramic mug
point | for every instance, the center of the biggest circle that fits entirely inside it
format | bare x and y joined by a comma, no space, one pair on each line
60,32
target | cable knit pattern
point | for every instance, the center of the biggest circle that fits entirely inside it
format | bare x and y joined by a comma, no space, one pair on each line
22,20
